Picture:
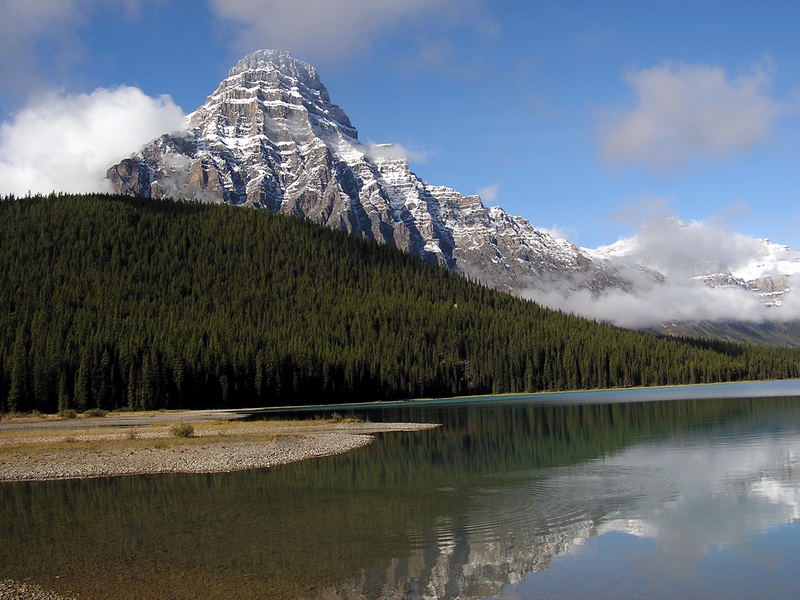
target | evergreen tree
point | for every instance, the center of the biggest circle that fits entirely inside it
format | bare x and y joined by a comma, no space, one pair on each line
81,393
131,395
63,393
18,391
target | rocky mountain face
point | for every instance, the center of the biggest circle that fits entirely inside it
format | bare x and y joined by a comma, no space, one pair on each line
269,137
770,289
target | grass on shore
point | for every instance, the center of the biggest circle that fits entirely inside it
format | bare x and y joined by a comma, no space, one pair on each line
70,414
31,442
94,413
69,443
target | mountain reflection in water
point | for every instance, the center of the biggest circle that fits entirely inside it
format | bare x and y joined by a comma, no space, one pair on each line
496,494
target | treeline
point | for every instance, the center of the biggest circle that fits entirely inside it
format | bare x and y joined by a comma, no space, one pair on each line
113,302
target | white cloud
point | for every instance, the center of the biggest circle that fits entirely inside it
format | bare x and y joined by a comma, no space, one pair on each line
26,24
680,251
489,193
66,142
666,303
562,233
22,26
687,112
319,28
395,152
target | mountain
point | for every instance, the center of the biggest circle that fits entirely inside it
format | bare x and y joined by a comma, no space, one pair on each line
269,137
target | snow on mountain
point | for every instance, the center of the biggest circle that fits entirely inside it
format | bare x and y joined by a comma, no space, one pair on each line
773,260
269,137
763,268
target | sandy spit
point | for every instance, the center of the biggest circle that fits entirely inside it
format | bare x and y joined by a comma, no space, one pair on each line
208,454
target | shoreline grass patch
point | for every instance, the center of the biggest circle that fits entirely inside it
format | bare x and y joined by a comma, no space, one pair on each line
182,430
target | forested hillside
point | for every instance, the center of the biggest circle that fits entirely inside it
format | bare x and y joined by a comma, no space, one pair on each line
116,302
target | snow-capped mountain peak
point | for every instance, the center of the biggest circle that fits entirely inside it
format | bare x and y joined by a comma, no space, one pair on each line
270,137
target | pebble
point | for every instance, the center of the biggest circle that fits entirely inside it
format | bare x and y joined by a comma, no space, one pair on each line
212,457
215,454
16,590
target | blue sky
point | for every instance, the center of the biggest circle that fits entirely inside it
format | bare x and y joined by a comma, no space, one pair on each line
581,116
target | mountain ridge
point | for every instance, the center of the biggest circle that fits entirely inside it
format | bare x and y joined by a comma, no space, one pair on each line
269,137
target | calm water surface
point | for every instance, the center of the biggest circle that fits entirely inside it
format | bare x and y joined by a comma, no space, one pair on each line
604,495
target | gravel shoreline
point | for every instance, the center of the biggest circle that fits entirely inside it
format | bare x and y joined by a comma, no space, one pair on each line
214,452
16,590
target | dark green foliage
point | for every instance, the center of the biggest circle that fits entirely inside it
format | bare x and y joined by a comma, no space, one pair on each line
114,302
63,394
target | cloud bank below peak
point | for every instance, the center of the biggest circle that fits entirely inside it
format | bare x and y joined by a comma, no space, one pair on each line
65,143
686,113
681,251
684,250
669,302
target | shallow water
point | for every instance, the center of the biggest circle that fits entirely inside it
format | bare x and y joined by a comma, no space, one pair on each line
606,495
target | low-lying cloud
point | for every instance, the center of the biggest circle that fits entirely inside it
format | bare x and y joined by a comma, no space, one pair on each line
65,143
688,112
679,251
668,302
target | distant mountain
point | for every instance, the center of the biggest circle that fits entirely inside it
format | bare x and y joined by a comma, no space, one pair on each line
269,137
771,333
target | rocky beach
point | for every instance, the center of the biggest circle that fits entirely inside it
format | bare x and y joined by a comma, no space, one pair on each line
46,450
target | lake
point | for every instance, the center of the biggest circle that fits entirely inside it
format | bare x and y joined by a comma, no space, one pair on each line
687,492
